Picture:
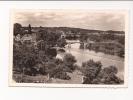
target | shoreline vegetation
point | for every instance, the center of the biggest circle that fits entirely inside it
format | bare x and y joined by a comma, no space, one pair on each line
35,50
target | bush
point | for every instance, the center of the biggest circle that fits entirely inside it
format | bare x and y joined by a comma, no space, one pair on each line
26,60
61,42
81,46
90,70
69,61
62,75
17,29
103,76
58,61
51,52
50,67
57,71
108,76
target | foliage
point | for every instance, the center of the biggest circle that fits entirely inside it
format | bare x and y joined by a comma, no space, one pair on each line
26,59
51,52
56,71
81,46
29,29
30,61
69,61
62,75
83,37
94,74
50,67
91,69
17,29
50,38
108,76
58,61
61,42
121,53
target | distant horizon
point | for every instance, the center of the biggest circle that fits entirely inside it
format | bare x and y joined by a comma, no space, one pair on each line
85,19
71,27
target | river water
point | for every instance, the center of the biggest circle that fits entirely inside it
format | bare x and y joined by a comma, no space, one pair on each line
83,55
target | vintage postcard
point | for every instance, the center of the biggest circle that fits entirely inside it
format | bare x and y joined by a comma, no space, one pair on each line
68,48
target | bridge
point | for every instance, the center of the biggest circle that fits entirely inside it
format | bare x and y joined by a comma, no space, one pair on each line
95,43
73,42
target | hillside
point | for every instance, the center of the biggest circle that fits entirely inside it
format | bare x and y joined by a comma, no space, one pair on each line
78,30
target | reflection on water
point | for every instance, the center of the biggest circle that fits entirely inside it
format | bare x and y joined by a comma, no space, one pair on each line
83,55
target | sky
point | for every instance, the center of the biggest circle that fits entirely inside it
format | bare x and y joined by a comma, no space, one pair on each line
86,19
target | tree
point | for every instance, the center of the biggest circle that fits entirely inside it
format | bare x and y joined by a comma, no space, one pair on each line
58,61
121,53
83,37
105,76
29,29
95,75
51,52
90,70
56,71
69,61
41,45
50,67
61,42
24,57
81,45
17,29
108,75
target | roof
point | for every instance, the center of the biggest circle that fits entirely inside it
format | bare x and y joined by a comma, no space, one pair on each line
26,37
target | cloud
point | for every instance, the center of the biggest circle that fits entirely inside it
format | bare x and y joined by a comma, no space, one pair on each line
88,19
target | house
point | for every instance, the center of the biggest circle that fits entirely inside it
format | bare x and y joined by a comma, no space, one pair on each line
17,38
29,38
26,38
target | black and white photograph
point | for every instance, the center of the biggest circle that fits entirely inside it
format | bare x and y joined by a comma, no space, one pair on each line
66,50
68,46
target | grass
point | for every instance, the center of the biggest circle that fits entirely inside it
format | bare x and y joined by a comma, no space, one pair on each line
76,78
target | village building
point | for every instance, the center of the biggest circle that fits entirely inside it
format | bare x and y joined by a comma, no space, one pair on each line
17,38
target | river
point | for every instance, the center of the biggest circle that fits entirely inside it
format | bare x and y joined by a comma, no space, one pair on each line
83,55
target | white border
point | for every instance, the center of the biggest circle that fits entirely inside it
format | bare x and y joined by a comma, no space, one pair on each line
33,93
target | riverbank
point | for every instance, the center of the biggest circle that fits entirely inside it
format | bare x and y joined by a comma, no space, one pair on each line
83,55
